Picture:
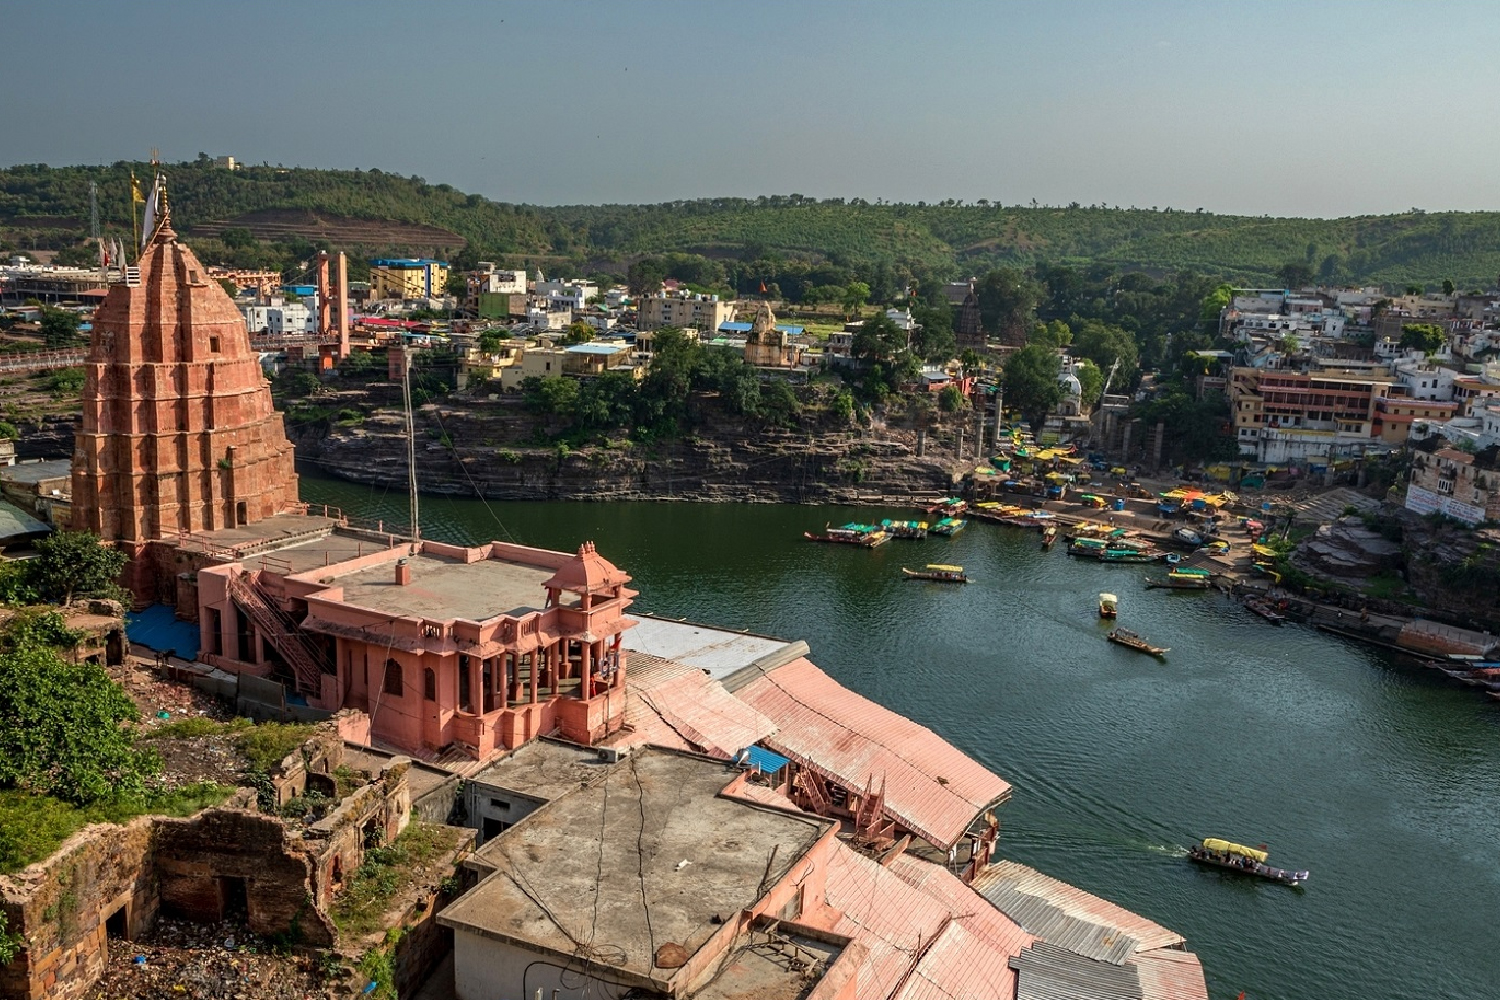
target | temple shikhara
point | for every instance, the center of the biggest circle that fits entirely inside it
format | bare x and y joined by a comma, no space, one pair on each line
178,432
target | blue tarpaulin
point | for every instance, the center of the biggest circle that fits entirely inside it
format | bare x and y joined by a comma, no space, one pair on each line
158,628
767,761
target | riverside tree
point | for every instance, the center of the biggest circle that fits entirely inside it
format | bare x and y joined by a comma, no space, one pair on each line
1031,383
72,563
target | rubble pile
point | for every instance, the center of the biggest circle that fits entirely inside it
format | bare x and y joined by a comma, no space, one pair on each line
209,962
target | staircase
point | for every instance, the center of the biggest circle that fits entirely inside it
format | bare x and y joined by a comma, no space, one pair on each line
282,632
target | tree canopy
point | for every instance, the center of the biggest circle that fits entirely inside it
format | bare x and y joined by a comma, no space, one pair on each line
1426,337
1031,383
74,562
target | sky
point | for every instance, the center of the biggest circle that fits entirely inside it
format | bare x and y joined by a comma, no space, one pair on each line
1295,108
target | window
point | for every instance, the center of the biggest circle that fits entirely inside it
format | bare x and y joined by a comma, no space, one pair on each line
393,678
429,684
213,345
1445,486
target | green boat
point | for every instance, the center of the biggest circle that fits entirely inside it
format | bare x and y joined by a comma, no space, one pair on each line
905,529
948,526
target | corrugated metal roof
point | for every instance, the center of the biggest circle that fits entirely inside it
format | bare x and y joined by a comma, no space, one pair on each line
923,944
675,705
1004,882
1169,974
972,909
768,761
1050,923
931,787
1047,972
718,651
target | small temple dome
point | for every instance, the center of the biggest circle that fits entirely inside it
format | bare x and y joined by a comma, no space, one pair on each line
1071,385
588,573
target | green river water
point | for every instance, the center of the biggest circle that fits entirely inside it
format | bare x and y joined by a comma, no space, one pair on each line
1380,779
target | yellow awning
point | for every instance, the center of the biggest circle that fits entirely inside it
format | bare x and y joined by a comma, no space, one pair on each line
1229,847
939,568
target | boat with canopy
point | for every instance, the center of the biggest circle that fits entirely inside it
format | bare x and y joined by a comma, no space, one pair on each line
938,573
1246,860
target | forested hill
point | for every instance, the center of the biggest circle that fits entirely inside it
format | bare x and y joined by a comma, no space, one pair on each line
49,207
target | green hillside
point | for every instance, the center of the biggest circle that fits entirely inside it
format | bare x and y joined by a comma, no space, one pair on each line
47,208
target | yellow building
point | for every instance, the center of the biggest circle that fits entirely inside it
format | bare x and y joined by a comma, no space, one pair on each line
408,278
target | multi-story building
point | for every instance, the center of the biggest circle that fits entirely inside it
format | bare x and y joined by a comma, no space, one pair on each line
1396,415
574,295
1455,483
1290,416
698,312
407,278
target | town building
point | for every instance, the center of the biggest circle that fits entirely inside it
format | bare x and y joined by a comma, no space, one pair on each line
768,345
686,310
178,432
1462,485
1286,416
408,278
574,295
262,283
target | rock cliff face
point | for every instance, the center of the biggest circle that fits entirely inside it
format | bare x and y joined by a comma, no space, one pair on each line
1349,551
1454,567
461,450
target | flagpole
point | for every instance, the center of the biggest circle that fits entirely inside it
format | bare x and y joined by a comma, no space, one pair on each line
135,220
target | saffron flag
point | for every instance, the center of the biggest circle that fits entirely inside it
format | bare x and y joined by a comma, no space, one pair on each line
135,190
762,288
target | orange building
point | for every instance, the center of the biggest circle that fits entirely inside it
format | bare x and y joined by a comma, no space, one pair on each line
471,650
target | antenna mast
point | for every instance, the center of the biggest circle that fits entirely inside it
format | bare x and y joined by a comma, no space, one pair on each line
411,446
94,228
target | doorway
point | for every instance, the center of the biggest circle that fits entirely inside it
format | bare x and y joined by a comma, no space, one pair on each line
117,925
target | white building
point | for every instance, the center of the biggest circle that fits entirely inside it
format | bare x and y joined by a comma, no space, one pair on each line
279,317
490,280
567,294
1425,381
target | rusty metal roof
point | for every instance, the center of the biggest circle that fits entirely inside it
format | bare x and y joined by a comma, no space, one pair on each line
924,943
1170,974
931,787
675,705
1068,917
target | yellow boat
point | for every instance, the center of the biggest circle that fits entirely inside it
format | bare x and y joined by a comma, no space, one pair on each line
938,573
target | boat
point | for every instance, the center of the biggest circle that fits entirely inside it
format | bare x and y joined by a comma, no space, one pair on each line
948,527
1128,639
905,529
1187,536
1266,610
1049,535
1171,558
1087,547
948,506
1114,555
1181,578
938,573
1246,860
866,535
1109,605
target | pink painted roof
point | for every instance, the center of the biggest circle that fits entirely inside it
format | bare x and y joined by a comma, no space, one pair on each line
920,946
1169,974
674,705
931,787
762,795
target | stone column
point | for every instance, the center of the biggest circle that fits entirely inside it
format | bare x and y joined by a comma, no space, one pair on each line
586,671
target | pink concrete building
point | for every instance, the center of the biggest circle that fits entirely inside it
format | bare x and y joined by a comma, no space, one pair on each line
444,648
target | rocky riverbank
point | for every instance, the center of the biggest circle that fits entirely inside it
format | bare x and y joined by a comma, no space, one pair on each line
475,448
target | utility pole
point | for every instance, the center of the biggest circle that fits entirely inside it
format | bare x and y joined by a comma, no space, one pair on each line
411,450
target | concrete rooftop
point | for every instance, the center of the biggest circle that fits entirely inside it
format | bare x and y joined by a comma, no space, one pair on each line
544,769
718,651
654,836
786,970
35,472
442,589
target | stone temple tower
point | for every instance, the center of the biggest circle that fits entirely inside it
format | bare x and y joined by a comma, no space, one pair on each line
178,431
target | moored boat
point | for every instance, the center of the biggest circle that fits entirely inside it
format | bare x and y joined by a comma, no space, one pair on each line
948,527
948,506
865,535
1181,578
905,529
1246,860
1109,605
1049,535
938,573
1128,639
1114,555
1266,610
1094,547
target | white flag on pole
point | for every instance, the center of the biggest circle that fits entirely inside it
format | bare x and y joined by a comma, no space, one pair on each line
153,200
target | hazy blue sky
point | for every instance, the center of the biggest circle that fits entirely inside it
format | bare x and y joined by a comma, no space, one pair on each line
1281,108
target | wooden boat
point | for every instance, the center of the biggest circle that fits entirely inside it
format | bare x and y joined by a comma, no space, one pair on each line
937,573
1094,547
1111,555
905,529
948,527
1266,610
1181,578
1188,537
1245,860
1128,639
1109,605
948,506
1049,535
865,535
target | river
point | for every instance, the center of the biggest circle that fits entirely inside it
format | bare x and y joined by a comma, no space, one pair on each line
1375,776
